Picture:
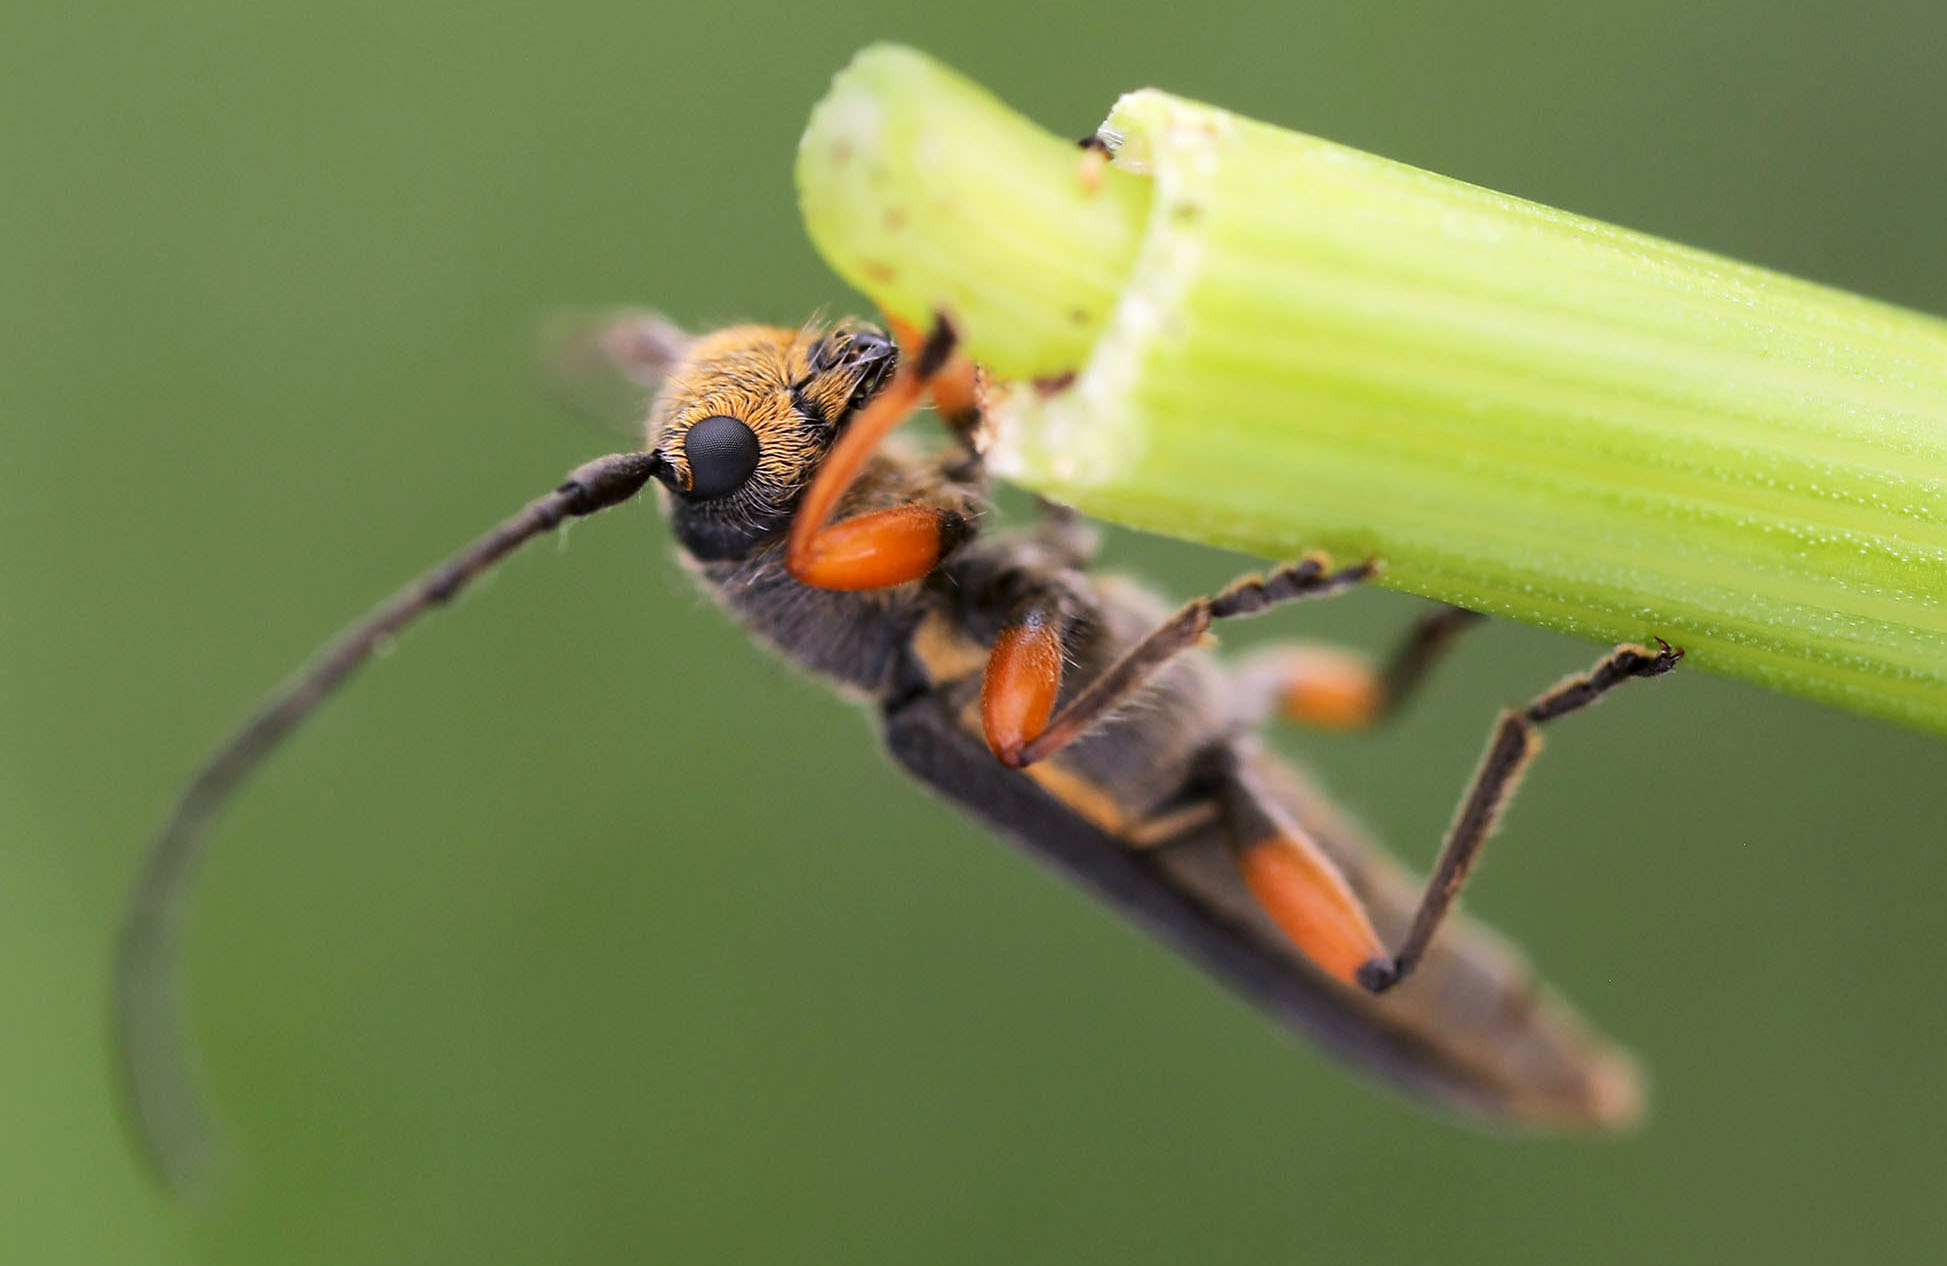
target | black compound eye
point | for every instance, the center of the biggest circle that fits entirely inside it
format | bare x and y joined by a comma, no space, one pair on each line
722,452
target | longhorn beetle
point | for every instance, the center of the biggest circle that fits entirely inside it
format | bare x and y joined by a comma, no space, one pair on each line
1070,711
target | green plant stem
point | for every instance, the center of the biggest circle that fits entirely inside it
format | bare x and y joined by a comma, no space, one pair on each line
1278,343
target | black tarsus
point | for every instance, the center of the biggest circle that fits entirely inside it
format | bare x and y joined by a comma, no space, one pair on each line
938,348
1515,740
159,1092
1423,646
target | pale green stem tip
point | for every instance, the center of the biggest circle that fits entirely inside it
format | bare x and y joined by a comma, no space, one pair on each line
1277,343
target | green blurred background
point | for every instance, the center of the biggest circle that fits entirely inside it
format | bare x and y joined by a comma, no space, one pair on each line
583,931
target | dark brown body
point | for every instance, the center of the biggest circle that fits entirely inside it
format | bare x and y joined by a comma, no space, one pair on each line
1069,711
1125,810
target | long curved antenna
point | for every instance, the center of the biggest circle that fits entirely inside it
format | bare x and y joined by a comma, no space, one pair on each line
161,1096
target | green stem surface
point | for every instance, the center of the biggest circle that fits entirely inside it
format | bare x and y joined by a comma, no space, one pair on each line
1278,343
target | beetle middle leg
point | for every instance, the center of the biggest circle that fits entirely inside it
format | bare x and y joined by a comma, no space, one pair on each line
1024,668
1515,741
1336,689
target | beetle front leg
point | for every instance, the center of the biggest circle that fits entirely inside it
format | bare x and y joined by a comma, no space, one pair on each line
883,547
954,385
880,549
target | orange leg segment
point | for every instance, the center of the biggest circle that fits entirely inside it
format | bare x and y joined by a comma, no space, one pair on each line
874,551
886,547
1309,577
1292,879
1329,688
1336,689
1309,901
1017,694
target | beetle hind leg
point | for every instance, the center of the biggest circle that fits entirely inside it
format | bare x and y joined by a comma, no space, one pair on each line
1515,740
1297,886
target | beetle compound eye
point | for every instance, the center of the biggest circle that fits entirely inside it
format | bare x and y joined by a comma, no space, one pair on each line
722,451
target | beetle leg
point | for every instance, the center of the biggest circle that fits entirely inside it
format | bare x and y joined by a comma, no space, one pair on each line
884,547
1022,680
1297,884
954,387
1310,577
1516,739
1337,689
